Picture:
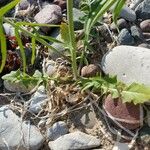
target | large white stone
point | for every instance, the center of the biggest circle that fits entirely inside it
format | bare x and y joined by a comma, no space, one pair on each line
74,141
129,63
17,134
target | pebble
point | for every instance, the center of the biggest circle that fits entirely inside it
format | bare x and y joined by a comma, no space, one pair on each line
57,130
145,45
74,141
145,25
50,14
120,146
125,38
121,23
143,10
37,100
135,3
128,14
86,118
61,3
129,63
24,4
9,30
137,33
90,70
17,133
77,14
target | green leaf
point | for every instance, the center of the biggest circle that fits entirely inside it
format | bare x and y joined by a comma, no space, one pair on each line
64,30
136,93
33,50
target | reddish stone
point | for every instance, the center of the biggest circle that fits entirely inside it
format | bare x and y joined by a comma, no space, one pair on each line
127,114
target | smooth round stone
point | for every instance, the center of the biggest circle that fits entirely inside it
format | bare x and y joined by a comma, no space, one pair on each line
145,25
144,45
121,23
128,14
129,63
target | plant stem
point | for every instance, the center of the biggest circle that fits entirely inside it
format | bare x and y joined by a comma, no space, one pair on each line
72,37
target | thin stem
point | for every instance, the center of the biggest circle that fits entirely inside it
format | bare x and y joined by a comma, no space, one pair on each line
72,37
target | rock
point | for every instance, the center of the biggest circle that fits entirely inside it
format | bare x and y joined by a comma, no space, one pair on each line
54,55
26,136
137,33
125,38
9,30
90,70
145,45
127,114
57,130
4,2
120,146
145,25
86,118
17,87
77,14
143,10
135,3
128,14
145,135
129,63
24,4
146,35
61,3
121,23
49,67
50,14
74,141
4,100
37,100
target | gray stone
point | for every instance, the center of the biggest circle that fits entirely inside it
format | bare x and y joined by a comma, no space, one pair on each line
125,38
129,63
86,118
144,45
74,141
135,3
57,130
77,14
143,10
24,4
17,133
121,146
121,24
37,100
137,33
128,14
9,30
50,14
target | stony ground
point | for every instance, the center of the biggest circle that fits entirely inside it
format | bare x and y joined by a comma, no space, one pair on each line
61,117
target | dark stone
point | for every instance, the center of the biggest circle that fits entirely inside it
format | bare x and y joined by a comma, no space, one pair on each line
137,33
125,38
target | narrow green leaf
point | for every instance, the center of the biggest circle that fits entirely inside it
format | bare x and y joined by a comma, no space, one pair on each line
9,6
22,51
33,50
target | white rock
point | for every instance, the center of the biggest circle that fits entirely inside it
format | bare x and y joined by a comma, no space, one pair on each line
58,129
16,133
120,146
50,14
129,63
37,100
74,141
